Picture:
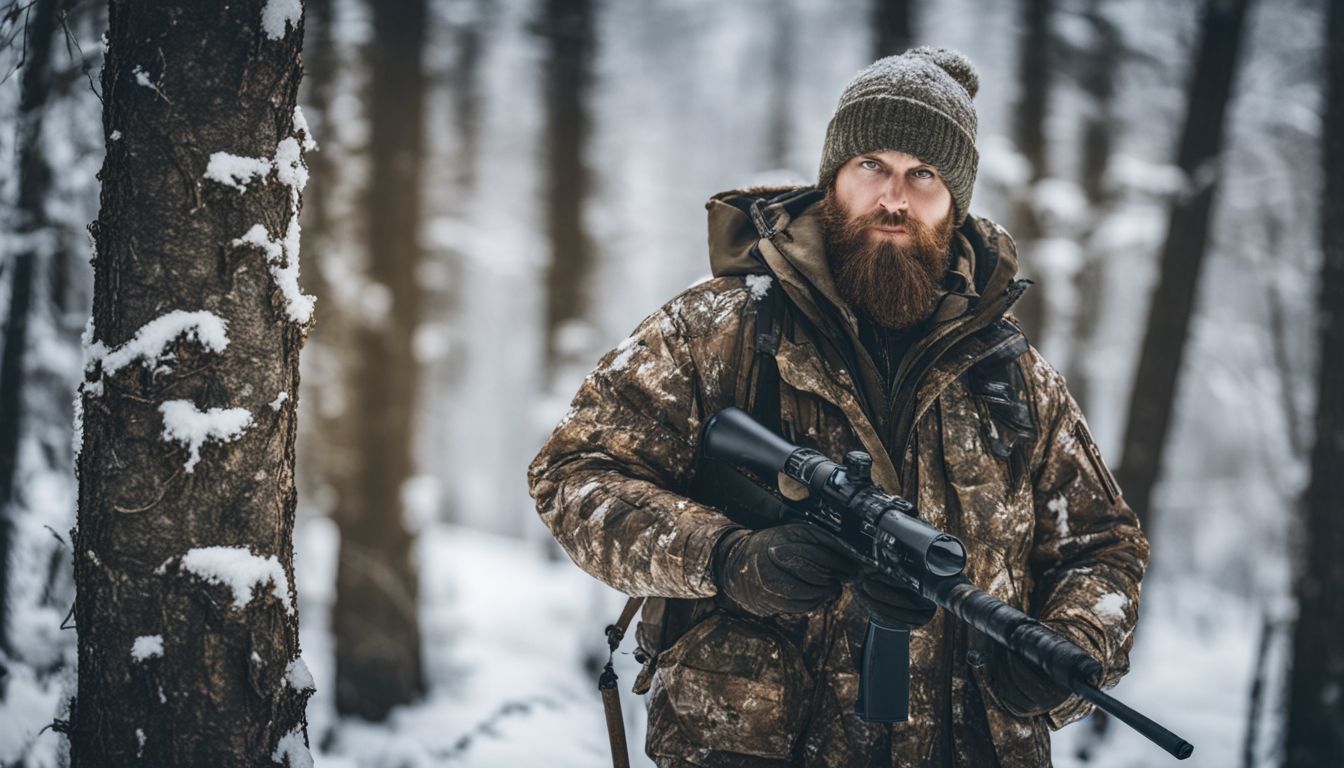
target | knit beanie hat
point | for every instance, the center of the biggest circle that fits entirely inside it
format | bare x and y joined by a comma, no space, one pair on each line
919,103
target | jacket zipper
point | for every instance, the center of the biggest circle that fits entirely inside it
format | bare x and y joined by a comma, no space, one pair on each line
950,639
914,374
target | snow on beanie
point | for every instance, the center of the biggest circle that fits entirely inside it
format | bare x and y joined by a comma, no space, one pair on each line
919,103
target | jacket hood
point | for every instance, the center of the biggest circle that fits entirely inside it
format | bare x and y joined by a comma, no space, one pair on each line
984,266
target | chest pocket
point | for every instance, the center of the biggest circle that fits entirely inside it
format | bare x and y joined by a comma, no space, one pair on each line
1001,401
986,473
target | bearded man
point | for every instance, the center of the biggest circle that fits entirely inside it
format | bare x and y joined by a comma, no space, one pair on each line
868,313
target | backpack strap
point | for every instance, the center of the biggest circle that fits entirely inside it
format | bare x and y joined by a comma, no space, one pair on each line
763,394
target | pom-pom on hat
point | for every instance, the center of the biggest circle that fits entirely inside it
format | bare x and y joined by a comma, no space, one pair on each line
919,103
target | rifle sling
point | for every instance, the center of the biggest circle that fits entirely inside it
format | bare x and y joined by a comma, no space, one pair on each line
607,685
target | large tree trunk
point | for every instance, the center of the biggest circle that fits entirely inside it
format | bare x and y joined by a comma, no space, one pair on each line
1315,706
1029,114
188,630
34,182
375,619
566,27
1154,392
893,27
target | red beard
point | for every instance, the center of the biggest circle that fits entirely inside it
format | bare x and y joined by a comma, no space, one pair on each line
897,285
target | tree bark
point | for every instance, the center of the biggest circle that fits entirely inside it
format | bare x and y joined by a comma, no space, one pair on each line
375,619
1154,392
188,629
34,183
893,27
566,26
1315,703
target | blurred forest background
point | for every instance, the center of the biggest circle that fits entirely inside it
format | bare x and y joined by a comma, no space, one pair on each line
504,188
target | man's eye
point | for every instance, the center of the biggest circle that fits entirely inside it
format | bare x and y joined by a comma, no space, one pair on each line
924,173
869,165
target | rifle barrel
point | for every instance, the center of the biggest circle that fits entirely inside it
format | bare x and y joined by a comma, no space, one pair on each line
1178,747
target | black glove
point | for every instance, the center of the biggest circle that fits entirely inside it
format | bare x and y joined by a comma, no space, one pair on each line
891,603
1021,687
785,569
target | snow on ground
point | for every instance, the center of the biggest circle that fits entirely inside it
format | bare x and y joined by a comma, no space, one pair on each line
504,634
505,631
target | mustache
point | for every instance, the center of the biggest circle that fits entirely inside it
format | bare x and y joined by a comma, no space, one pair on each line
881,218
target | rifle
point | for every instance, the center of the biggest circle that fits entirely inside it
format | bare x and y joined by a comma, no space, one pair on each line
882,532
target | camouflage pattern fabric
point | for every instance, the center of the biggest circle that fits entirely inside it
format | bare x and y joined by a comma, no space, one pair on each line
1048,534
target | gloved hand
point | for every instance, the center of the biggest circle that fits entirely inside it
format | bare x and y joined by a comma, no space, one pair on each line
891,603
785,569
1021,687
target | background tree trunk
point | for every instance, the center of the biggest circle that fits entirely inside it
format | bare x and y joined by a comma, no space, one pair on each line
893,27
1154,391
1030,111
34,183
1097,67
375,616
1315,703
782,79
566,27
176,667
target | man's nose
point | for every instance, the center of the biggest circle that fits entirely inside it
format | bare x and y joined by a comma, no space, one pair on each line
893,199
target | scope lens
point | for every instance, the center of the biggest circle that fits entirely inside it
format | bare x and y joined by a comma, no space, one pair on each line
945,557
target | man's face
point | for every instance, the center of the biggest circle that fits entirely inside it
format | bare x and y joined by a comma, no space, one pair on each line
888,226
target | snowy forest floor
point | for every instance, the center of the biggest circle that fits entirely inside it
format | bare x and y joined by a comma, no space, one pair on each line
506,631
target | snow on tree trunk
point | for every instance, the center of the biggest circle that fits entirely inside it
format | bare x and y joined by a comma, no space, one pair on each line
1316,698
186,482
1154,393
375,616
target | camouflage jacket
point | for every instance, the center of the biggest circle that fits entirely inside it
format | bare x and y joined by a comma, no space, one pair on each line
1044,525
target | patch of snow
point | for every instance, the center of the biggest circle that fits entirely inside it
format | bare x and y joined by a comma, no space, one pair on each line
298,677
301,127
1111,606
624,351
279,16
759,285
282,258
279,401
237,172
149,344
239,570
147,647
184,424
289,167
1060,506
292,751
142,78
